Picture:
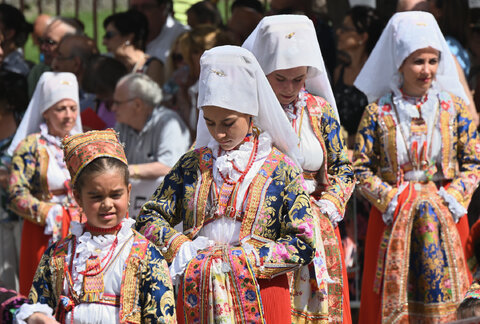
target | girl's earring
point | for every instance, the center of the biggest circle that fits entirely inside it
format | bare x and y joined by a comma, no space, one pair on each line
127,43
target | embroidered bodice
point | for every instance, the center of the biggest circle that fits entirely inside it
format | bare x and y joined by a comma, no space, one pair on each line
418,140
218,228
88,246
391,150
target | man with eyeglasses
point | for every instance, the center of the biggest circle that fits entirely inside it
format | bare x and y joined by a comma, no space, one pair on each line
56,30
155,137
163,28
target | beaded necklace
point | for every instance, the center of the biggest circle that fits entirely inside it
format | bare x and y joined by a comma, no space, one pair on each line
93,263
227,195
93,281
100,230
419,155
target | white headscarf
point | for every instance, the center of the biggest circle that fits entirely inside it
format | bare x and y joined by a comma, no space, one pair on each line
51,88
405,33
288,41
231,78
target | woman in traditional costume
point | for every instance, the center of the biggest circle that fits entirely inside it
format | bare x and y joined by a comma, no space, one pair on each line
39,189
287,49
417,157
246,217
105,272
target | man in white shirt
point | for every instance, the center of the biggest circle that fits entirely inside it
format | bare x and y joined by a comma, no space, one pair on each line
163,28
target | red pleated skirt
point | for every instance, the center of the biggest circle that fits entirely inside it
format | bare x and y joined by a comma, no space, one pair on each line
370,302
33,245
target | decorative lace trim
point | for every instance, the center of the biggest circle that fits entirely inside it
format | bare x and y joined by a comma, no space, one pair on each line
454,206
57,141
88,245
310,185
299,103
328,208
187,252
388,215
240,155
26,310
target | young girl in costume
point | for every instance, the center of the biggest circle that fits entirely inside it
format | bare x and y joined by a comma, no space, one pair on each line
105,272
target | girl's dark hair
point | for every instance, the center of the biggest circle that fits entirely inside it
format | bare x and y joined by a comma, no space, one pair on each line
367,20
130,22
13,93
99,165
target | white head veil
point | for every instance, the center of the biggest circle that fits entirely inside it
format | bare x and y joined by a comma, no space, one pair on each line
231,78
405,33
288,41
51,88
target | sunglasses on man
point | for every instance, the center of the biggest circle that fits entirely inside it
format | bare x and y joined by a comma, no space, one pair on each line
48,41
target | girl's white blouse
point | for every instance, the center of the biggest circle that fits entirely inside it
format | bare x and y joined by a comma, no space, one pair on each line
87,246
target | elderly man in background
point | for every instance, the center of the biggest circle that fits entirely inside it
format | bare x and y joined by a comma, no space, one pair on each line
155,137
163,28
56,30
72,55
39,26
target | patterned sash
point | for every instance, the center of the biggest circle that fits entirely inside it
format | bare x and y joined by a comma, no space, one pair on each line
220,287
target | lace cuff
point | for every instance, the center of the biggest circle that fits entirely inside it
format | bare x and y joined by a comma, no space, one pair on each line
388,215
454,206
26,310
185,254
51,224
328,208
248,248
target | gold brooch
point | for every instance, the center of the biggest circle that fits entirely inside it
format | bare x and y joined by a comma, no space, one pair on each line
288,36
219,73
421,24
65,82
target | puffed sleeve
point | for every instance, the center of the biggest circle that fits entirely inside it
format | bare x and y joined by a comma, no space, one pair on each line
341,179
163,211
43,285
468,155
295,244
157,300
25,183
365,161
